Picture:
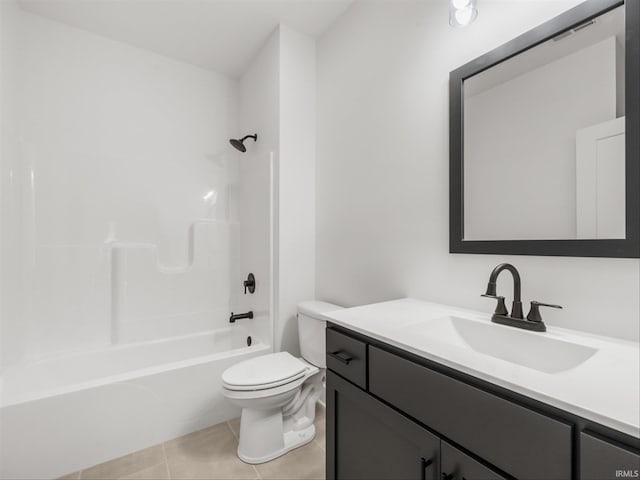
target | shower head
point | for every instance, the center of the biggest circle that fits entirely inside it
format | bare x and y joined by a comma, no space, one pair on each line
239,144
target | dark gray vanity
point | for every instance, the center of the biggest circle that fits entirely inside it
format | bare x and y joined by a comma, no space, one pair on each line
417,390
392,414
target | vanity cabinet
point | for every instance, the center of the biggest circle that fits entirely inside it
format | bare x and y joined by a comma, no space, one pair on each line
513,438
600,457
393,415
347,357
457,465
373,441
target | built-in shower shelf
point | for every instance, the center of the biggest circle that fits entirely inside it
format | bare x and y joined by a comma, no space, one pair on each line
150,300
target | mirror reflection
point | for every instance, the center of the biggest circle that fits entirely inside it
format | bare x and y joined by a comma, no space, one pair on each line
544,140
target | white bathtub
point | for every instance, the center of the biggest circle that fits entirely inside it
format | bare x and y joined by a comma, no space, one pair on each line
70,412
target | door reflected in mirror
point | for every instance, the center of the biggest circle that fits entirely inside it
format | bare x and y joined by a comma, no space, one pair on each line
544,139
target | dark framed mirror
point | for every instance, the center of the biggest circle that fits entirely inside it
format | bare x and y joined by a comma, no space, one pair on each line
545,139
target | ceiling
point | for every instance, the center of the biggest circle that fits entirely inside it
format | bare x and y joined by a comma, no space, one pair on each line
220,35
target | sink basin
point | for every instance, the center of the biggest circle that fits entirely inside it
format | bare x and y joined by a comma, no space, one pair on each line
533,350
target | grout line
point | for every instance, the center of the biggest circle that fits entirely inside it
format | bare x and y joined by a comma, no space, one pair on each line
237,437
166,461
234,433
257,472
322,445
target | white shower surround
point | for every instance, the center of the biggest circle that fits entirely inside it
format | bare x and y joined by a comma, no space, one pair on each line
117,148
123,209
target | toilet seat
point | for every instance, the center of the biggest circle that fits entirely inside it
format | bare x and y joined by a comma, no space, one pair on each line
266,372
265,392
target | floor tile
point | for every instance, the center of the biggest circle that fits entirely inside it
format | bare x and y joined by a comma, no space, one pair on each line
211,454
304,463
71,476
157,472
320,423
208,453
127,465
234,424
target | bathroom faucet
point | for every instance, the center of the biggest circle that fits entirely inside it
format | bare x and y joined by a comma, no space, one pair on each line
501,314
516,306
240,316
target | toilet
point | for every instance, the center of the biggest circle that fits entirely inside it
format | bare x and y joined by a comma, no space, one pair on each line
278,392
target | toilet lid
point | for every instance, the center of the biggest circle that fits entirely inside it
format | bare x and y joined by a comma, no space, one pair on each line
266,371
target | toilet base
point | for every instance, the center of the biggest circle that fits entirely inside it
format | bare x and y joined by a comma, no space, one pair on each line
292,440
268,433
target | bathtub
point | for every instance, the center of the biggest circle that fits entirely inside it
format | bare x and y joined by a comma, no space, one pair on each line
65,413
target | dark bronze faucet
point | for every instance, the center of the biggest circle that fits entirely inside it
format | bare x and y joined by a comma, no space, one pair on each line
240,316
501,314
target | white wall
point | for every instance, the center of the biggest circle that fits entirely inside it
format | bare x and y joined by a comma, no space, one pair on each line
382,171
115,143
296,181
259,113
278,103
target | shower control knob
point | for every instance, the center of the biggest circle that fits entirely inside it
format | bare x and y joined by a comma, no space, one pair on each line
250,284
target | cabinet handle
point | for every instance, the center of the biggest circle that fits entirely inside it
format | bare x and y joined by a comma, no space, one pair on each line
425,463
341,357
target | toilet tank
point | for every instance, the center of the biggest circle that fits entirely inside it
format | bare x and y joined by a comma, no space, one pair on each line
311,332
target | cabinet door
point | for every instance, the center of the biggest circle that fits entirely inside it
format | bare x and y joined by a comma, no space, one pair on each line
602,460
457,465
517,440
368,440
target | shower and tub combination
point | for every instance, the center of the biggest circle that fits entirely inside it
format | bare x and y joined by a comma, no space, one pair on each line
127,230
141,182
156,374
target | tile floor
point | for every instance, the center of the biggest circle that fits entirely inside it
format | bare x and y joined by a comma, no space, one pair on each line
211,454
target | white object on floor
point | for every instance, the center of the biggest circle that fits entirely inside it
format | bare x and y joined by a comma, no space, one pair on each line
278,392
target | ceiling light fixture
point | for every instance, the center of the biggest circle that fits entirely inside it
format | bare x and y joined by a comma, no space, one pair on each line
462,12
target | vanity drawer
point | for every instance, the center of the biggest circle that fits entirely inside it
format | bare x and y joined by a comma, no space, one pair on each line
458,465
519,441
347,357
602,460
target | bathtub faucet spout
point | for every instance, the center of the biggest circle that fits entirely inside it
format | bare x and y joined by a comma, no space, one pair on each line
240,316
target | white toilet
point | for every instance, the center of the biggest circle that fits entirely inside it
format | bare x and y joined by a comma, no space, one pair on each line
278,392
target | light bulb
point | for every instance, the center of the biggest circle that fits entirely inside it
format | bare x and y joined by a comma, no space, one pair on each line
462,12
458,4
465,16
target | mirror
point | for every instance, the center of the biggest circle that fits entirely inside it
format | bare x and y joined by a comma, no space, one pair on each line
545,131
540,163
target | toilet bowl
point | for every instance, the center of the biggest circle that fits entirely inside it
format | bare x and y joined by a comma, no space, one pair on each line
278,392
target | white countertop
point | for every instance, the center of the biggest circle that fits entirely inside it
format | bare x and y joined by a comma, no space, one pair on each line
605,388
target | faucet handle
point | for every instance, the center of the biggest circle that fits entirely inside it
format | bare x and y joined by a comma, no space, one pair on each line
501,308
250,284
534,312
